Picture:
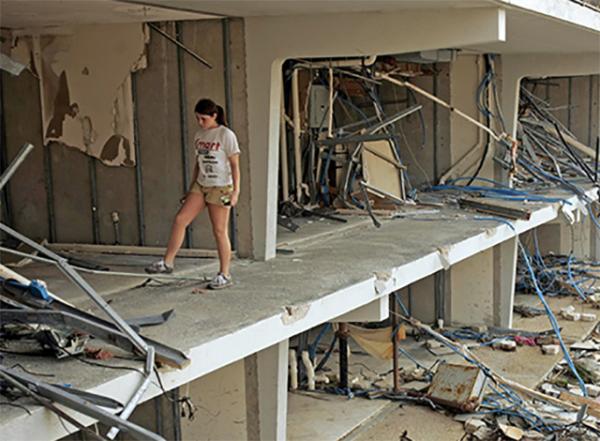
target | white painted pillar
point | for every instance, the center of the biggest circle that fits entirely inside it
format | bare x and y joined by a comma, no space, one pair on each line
271,40
505,272
266,393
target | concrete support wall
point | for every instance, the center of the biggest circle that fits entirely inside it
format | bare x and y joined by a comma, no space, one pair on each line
425,162
467,143
164,122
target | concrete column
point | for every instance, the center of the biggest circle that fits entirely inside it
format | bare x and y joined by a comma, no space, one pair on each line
561,237
470,297
505,271
266,393
421,300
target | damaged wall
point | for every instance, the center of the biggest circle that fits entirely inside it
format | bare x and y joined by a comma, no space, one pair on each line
85,80
67,196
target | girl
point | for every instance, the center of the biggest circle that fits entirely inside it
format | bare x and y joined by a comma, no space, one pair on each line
215,184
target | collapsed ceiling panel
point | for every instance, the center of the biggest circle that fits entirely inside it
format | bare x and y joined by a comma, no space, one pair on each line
85,83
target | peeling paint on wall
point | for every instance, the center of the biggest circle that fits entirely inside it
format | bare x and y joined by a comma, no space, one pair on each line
85,79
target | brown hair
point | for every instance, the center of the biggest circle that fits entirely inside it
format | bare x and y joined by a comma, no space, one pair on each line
207,106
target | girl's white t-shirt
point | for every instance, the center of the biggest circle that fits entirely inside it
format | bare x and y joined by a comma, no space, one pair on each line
213,149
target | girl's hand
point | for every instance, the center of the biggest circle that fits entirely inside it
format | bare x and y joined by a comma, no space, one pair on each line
234,198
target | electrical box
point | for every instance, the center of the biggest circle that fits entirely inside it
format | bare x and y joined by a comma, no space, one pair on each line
318,103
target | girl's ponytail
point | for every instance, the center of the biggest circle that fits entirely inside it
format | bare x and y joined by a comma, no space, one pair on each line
221,116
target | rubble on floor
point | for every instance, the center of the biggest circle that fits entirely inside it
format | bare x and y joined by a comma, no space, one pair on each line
491,406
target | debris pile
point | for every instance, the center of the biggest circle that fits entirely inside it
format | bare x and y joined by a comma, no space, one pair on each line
35,320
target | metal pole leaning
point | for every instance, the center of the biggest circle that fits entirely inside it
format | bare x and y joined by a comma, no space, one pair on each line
442,103
14,165
180,45
137,396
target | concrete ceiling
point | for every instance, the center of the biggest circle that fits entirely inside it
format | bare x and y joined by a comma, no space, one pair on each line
255,8
24,14
556,27
527,30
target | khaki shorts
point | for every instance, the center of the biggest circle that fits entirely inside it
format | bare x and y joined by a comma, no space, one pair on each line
214,195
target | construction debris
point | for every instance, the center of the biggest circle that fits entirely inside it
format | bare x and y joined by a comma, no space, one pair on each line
457,386
550,349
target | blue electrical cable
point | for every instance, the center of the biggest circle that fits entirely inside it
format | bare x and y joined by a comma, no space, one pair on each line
549,313
501,193
312,349
478,178
572,281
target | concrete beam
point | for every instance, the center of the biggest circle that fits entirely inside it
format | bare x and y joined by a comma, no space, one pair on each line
375,311
266,393
271,40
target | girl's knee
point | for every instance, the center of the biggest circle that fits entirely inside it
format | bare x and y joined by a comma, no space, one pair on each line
220,232
181,219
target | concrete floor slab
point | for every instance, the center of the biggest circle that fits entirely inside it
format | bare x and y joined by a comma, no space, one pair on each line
327,417
274,300
419,423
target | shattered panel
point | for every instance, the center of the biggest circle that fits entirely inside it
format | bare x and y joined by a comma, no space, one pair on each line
85,76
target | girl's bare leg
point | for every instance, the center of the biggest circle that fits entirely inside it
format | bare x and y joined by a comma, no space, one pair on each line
193,205
219,218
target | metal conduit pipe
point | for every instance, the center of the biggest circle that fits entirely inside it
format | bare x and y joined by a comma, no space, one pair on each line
350,62
14,165
310,370
285,185
297,133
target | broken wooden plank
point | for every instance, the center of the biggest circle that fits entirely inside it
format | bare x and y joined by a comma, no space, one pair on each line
483,205
593,405
128,250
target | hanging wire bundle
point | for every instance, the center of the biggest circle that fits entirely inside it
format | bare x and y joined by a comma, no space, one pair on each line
549,152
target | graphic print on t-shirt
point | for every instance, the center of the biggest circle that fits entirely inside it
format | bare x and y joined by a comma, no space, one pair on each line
213,149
